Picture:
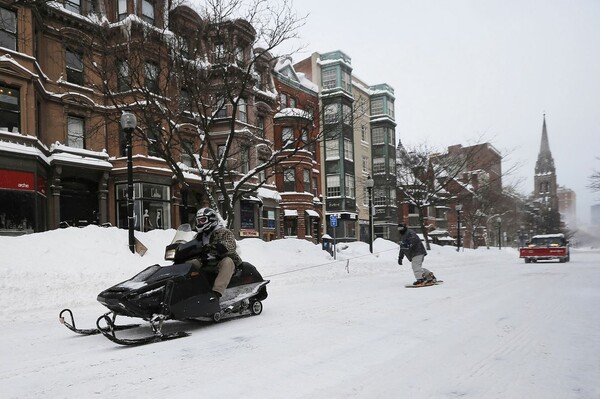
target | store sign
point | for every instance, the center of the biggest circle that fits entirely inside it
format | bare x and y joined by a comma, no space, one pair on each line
16,180
248,233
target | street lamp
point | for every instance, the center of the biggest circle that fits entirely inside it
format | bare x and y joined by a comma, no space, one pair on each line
369,183
129,123
458,208
499,221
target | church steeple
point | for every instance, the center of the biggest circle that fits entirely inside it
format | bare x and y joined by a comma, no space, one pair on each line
545,174
545,162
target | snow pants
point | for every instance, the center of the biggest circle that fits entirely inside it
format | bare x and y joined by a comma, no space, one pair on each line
417,265
226,270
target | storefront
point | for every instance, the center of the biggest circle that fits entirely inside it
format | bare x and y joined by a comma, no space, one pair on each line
151,206
22,202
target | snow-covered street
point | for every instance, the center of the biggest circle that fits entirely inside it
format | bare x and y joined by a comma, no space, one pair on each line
497,327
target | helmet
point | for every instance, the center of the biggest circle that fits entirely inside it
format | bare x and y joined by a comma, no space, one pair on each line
206,220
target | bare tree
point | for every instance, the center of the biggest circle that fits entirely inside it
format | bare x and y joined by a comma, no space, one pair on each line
200,87
466,175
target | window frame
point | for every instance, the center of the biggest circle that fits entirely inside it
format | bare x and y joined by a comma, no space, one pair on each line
148,11
9,30
74,66
12,108
75,139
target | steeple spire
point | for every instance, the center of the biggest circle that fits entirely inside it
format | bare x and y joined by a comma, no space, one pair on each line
545,162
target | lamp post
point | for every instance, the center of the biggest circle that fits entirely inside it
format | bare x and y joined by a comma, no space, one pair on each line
129,123
369,183
458,208
499,221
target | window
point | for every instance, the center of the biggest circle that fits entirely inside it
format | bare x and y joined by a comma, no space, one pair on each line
148,11
260,126
283,101
247,219
74,62
304,135
187,150
365,164
348,150
153,141
239,55
332,149
293,102
8,29
242,110
268,218
349,182
245,158
75,132
221,110
346,81
377,106
287,134
378,135
289,180
347,114
329,78
378,166
363,133
332,113
73,6
123,82
151,77
315,186
333,186
306,175
122,10
380,197
10,109
183,47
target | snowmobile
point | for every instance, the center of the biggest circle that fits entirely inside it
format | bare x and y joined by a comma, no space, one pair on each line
179,291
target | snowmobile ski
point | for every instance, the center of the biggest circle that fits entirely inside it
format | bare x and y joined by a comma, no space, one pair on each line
87,331
425,285
156,324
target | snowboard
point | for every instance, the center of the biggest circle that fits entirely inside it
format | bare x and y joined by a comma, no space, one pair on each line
423,286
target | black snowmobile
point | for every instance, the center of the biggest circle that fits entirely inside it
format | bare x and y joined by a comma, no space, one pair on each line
176,292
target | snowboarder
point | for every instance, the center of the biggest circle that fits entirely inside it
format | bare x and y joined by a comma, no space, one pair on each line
219,250
412,247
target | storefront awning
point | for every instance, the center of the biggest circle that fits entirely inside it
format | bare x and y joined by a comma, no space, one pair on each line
290,213
312,213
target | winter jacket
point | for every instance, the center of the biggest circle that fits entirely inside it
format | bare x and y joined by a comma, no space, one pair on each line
215,252
410,245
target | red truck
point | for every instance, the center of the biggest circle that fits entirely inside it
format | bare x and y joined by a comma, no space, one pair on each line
546,247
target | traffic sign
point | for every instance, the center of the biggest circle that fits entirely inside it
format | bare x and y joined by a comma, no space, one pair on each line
333,220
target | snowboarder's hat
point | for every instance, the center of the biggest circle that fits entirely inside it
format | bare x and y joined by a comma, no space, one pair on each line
401,225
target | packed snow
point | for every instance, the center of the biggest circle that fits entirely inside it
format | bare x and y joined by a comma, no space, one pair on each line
343,328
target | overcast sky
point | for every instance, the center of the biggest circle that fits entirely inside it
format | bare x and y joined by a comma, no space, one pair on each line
463,70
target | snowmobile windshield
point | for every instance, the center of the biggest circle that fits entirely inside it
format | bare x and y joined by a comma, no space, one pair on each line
183,234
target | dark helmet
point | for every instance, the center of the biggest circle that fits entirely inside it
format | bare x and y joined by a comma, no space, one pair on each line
402,228
206,220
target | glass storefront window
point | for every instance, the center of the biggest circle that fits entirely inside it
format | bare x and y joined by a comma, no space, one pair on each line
247,215
151,210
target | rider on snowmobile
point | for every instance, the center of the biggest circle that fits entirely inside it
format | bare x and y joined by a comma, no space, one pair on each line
219,248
